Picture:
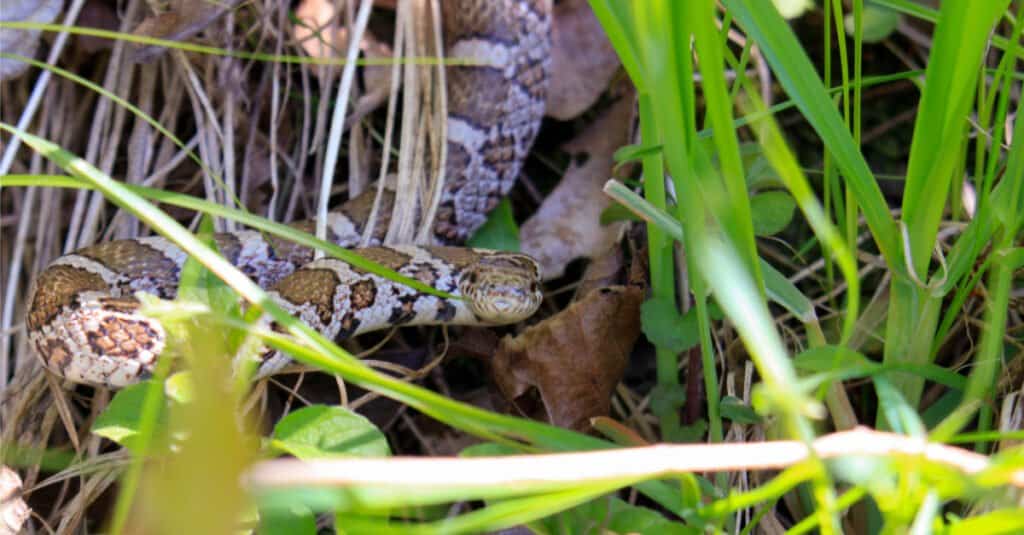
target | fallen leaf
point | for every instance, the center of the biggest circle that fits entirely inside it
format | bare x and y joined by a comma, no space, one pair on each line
23,42
320,29
574,359
583,61
567,225
183,19
603,271
13,510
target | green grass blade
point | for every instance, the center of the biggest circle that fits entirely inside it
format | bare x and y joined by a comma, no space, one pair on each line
310,347
779,289
795,72
186,46
200,205
700,19
950,83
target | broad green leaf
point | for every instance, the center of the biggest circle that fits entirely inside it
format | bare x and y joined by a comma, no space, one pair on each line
772,212
298,520
121,420
694,432
667,396
877,23
665,327
500,232
760,172
736,410
321,431
179,387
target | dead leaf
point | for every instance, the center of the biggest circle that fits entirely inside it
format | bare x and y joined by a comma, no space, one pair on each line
320,28
575,358
184,19
13,510
567,225
23,42
583,61
601,272
321,31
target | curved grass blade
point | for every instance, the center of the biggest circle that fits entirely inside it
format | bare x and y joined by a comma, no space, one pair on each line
311,347
219,210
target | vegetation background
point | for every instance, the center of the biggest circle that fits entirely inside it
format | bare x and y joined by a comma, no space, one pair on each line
877,284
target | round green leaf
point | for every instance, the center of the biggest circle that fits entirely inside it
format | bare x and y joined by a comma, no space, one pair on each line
772,211
122,418
877,23
499,232
322,431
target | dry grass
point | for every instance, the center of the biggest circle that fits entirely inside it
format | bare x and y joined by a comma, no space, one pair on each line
261,129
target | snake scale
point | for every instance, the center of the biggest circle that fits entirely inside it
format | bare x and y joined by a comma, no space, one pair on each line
83,319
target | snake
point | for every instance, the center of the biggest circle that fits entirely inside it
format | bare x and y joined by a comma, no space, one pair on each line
86,324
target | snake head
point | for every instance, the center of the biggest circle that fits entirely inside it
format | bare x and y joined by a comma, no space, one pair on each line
502,287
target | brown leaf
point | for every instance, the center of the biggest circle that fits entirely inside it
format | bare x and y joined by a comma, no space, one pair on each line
601,272
184,19
575,358
13,510
321,31
567,225
23,42
583,61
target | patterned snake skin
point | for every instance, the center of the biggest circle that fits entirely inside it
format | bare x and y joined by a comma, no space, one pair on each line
83,319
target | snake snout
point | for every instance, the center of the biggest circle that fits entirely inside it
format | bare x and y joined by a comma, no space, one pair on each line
504,288
504,303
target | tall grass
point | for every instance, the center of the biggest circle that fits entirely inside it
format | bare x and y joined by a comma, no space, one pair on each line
691,135
654,42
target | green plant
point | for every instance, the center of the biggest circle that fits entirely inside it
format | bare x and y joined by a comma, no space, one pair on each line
691,141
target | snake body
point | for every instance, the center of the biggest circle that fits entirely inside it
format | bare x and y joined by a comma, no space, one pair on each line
83,319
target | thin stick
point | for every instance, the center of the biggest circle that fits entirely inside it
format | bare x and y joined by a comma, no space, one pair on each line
338,119
597,466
